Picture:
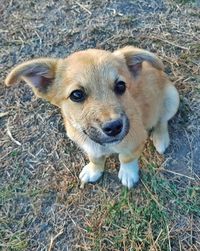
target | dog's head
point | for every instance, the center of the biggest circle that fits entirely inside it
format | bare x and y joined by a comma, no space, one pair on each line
91,87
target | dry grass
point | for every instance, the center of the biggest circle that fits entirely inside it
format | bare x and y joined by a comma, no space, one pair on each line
41,204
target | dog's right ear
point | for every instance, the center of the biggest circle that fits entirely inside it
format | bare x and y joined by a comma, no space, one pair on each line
134,57
38,73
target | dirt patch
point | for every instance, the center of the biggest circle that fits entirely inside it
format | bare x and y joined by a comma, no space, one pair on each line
41,204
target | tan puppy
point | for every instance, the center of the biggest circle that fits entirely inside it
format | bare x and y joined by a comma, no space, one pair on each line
109,101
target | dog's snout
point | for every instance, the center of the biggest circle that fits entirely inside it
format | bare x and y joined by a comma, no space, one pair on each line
113,127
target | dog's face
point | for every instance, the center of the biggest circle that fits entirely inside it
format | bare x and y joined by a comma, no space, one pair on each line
95,88
91,87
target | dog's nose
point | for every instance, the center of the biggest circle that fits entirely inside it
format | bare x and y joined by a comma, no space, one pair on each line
113,127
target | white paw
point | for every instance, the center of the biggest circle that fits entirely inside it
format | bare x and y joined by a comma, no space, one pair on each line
160,141
129,173
90,174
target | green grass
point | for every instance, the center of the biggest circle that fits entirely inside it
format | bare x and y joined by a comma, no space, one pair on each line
13,237
18,189
141,219
14,242
185,1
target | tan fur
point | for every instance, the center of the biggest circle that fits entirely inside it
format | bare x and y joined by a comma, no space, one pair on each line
146,102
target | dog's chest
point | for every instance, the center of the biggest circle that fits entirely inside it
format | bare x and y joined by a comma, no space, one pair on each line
96,150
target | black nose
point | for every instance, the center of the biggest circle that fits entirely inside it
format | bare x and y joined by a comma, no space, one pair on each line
113,127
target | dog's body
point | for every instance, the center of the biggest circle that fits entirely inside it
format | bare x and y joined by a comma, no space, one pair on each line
109,102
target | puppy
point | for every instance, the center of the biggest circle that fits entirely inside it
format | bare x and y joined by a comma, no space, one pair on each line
109,102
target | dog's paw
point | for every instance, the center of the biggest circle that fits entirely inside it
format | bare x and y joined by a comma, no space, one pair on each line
90,174
129,174
160,141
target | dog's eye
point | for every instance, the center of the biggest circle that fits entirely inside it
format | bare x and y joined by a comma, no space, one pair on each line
120,87
78,96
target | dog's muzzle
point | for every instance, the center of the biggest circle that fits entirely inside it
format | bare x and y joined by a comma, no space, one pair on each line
110,132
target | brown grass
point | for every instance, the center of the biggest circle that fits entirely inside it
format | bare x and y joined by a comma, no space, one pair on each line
41,204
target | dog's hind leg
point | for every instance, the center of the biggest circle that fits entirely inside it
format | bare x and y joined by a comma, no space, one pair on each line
160,134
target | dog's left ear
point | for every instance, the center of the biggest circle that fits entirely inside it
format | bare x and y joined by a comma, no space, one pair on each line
40,74
135,56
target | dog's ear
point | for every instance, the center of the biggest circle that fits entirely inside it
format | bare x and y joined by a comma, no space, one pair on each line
38,73
135,56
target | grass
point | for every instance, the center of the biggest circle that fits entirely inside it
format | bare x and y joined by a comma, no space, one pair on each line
14,221
14,242
143,219
151,217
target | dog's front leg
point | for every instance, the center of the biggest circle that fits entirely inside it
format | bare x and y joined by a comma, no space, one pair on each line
93,170
129,168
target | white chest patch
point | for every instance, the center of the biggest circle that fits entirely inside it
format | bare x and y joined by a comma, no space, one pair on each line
95,150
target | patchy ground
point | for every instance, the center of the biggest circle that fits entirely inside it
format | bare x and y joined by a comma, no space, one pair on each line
41,204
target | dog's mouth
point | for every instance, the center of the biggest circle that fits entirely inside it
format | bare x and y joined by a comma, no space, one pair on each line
110,133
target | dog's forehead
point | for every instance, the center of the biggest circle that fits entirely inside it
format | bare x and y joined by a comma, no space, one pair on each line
92,65
90,56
